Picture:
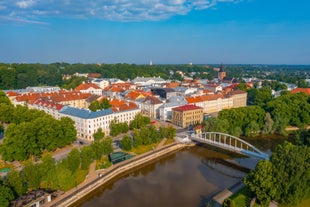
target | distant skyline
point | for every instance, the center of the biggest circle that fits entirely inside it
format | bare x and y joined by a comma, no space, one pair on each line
161,31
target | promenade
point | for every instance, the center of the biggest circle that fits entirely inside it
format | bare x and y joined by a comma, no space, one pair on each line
94,181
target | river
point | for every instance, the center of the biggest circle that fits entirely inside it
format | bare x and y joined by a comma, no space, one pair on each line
190,178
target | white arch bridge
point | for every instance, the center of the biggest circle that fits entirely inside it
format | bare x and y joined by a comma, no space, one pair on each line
229,142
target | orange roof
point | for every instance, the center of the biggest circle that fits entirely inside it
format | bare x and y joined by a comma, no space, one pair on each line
117,102
125,107
11,93
117,87
172,84
193,99
70,96
85,86
301,90
94,75
210,97
134,95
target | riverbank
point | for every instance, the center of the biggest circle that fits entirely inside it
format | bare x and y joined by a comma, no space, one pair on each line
103,176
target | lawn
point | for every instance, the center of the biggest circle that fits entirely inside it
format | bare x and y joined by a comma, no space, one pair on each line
242,198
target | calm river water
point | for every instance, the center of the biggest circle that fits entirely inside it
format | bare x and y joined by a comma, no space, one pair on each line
188,178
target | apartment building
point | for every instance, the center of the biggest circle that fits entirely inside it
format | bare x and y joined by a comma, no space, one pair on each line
187,115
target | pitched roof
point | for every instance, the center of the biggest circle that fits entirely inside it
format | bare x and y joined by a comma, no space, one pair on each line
153,100
301,90
193,99
69,96
125,107
84,113
172,84
186,108
117,102
86,86
134,95
48,104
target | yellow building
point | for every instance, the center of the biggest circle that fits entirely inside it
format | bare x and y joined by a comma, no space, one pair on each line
187,115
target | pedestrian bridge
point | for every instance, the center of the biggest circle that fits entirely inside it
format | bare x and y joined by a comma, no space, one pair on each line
229,142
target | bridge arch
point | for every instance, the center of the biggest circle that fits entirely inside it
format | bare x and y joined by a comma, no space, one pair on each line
229,142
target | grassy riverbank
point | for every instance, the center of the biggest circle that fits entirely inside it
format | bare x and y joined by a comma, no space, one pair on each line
243,198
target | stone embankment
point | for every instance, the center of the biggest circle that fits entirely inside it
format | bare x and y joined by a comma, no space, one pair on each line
114,171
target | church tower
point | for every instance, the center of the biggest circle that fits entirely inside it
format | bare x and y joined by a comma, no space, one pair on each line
221,74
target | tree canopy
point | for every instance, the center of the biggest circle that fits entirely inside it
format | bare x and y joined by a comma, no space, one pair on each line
285,178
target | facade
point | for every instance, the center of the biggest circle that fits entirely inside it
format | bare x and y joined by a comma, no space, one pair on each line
164,93
148,81
102,83
88,122
239,98
165,110
213,103
89,88
187,115
150,107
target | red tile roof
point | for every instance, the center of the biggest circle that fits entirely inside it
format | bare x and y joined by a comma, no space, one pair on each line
117,102
301,90
48,104
187,108
85,86
125,107
134,95
193,99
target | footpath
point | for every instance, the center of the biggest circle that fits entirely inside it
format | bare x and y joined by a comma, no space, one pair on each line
94,181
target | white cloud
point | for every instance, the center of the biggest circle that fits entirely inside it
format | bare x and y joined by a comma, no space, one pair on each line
114,10
25,4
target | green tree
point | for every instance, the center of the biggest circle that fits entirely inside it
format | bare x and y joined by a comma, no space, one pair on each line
137,138
268,126
48,171
236,131
107,145
291,166
96,105
16,181
73,160
228,203
7,195
97,149
261,183
66,180
87,156
302,137
32,175
252,129
139,121
126,143
242,86
171,132
259,97
99,134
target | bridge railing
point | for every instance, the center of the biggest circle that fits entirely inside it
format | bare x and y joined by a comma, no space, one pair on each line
229,142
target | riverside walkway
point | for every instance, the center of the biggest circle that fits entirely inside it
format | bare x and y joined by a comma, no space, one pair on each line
93,181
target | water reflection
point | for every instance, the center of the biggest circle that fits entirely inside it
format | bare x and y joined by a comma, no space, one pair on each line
182,179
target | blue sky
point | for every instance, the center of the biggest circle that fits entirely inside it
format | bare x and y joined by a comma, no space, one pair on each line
164,31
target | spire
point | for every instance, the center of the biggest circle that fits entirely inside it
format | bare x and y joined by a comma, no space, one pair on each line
222,68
